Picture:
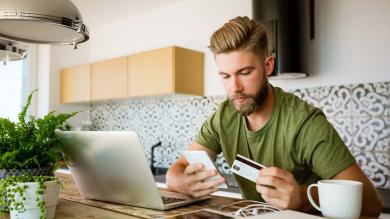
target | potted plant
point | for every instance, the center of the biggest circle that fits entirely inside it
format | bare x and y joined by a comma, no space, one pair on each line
29,154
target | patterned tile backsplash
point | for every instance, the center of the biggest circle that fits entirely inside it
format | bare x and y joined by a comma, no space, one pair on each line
359,112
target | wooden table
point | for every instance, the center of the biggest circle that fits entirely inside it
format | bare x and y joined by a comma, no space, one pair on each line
72,205
70,194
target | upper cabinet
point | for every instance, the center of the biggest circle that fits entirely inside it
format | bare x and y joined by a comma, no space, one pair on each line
166,71
161,71
76,84
109,79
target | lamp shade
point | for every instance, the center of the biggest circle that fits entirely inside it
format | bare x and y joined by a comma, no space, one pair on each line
42,22
10,52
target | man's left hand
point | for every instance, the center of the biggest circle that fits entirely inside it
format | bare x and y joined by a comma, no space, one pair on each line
279,188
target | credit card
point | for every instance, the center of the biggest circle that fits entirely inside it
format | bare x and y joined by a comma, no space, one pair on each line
246,168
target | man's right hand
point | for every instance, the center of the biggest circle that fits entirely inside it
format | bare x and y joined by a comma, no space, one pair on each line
195,181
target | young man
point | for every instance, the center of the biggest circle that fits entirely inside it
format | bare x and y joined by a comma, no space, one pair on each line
263,123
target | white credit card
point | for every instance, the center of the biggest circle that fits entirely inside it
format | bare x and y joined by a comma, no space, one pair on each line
246,168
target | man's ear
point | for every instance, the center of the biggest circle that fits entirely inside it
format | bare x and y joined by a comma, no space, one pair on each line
269,64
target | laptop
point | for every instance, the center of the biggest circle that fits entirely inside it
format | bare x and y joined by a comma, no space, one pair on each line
111,166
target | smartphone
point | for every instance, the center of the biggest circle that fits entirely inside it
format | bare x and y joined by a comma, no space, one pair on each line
194,157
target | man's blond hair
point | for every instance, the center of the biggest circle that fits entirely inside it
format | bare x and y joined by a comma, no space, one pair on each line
240,33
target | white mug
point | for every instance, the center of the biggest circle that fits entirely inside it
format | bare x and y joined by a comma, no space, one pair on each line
339,199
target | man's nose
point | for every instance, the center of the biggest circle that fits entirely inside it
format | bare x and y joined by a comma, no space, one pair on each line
236,84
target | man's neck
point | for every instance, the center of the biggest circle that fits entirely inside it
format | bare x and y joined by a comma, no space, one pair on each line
260,117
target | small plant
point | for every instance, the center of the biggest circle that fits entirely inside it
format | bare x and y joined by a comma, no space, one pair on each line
31,143
66,127
29,146
13,192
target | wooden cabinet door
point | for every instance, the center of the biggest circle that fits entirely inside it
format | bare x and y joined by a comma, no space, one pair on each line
151,73
109,79
76,84
189,71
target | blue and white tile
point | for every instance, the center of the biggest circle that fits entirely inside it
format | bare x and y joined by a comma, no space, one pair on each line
222,165
335,101
309,95
370,99
343,126
371,133
175,120
166,156
376,166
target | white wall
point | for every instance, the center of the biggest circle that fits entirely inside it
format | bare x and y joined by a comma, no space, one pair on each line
352,44
39,59
187,23
66,56
43,86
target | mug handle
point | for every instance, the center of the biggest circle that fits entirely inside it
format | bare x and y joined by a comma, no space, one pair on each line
312,202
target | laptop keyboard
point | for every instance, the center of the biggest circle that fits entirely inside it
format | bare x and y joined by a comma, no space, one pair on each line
169,200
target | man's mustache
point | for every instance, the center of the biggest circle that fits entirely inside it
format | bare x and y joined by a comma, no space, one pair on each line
240,95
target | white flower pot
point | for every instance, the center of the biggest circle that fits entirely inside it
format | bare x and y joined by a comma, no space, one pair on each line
50,197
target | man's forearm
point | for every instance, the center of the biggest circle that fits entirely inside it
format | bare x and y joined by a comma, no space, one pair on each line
305,203
372,205
175,177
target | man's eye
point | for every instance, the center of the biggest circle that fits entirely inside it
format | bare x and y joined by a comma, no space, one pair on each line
245,73
225,76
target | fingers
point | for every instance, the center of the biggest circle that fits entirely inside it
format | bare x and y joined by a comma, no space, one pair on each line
203,185
201,193
201,175
268,192
272,182
275,177
279,188
197,183
277,172
192,169
204,188
275,197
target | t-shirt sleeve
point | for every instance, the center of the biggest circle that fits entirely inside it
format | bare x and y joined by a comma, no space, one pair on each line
321,148
208,134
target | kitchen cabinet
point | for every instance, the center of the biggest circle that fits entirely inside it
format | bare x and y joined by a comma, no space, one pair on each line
109,79
165,71
76,84
162,71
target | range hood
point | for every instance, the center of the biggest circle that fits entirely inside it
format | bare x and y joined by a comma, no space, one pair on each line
289,25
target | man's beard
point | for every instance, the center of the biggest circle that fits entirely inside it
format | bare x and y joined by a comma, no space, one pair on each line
254,101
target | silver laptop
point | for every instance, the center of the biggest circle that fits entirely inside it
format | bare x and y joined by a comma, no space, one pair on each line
111,166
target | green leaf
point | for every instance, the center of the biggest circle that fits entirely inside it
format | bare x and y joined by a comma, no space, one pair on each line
31,142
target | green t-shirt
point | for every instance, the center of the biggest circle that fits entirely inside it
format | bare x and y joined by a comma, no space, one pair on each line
297,138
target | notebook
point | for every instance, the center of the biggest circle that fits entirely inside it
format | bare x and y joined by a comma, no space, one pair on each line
111,166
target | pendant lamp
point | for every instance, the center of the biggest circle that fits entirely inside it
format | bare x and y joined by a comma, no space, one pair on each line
42,22
10,52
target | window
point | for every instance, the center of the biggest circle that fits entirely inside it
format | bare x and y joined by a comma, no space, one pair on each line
13,86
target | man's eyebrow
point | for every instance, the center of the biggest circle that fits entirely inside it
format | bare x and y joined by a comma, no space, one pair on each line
245,68
238,71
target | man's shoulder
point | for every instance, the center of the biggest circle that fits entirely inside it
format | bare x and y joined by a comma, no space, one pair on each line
225,114
226,109
293,104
